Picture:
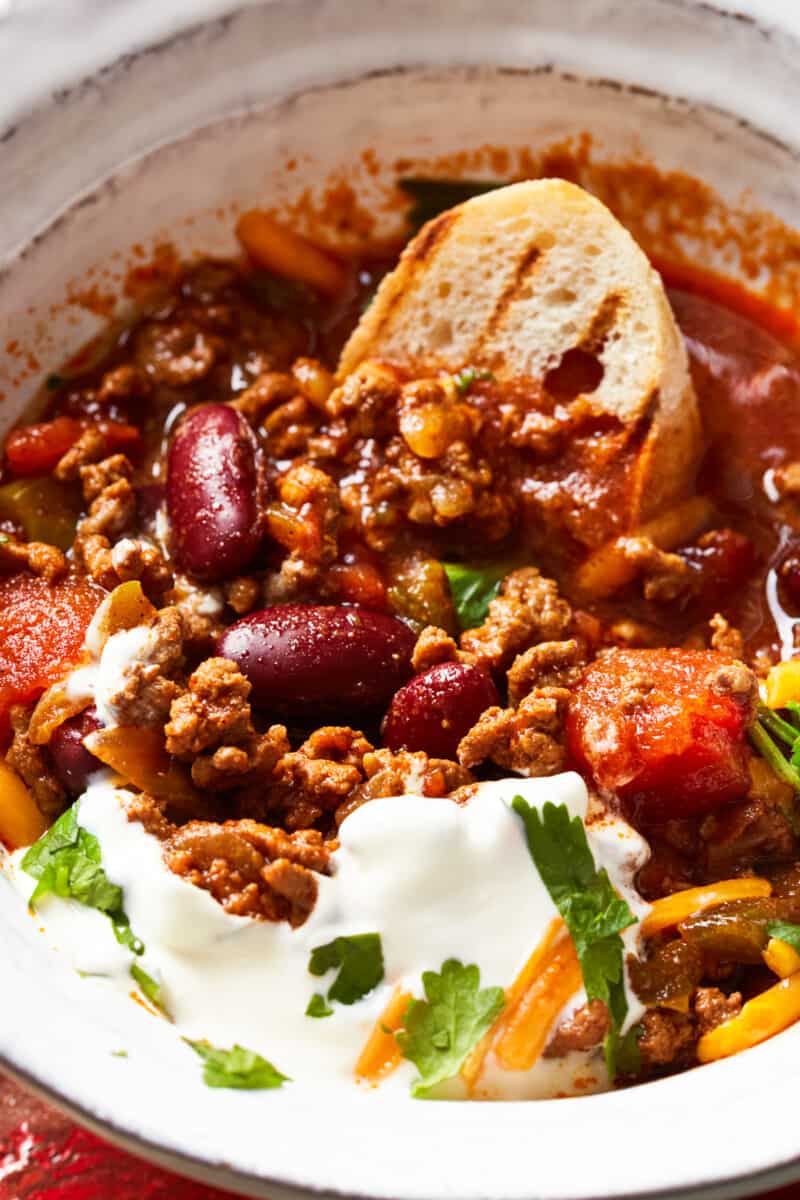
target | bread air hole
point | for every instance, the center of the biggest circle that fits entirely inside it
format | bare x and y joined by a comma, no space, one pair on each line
441,333
559,296
578,374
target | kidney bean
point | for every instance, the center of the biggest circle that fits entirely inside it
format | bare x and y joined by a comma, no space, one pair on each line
435,710
72,762
303,659
212,493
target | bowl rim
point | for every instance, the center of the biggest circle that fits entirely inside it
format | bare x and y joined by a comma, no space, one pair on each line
177,1152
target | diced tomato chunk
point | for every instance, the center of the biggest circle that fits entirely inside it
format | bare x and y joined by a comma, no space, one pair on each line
665,730
36,449
358,583
120,437
42,628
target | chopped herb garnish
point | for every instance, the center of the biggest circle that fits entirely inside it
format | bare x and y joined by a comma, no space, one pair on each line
359,959
465,378
440,1031
786,932
766,733
119,1053
236,1068
434,196
66,862
54,382
318,1006
592,911
472,589
150,987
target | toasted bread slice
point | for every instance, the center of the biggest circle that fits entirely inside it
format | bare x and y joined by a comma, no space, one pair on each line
512,280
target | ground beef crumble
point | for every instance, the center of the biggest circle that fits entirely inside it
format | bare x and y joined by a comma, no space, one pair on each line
712,1007
665,576
527,739
37,557
528,610
667,1040
33,765
151,686
214,711
726,638
433,646
252,870
583,1030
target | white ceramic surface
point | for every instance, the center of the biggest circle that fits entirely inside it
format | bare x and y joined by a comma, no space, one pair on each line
320,80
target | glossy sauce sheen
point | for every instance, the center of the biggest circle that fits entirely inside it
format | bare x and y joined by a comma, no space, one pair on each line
213,493
748,385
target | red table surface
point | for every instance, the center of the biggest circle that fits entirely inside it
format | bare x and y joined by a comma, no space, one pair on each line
45,1156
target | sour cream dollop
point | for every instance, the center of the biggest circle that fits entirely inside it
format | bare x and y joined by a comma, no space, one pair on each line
437,880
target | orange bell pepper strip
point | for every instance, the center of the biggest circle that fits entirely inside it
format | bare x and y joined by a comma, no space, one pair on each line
275,248
671,910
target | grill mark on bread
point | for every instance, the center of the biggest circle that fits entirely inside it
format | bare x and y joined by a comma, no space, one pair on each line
421,252
431,235
639,447
601,324
525,264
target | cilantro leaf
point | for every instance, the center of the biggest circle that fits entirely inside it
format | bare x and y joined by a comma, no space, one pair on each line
236,1068
66,862
472,588
318,1006
151,988
762,734
441,1030
786,932
359,958
592,911
465,378
434,196
54,382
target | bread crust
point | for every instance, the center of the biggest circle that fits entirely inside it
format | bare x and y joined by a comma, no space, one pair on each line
510,281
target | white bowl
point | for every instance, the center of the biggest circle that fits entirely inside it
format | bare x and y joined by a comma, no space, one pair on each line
94,104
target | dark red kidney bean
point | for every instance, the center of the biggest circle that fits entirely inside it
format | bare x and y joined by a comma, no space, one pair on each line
303,659
212,493
72,762
435,710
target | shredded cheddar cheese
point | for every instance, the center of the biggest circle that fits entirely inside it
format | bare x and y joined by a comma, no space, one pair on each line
474,1064
760,1018
781,958
523,1032
381,1054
